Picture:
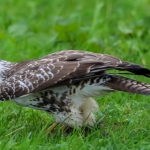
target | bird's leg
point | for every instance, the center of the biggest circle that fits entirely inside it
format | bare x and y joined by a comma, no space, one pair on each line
66,120
88,108
64,127
70,118
51,128
61,127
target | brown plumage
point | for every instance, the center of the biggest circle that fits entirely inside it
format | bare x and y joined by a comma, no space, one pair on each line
64,82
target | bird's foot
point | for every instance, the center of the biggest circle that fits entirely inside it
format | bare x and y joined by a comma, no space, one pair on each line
51,129
58,127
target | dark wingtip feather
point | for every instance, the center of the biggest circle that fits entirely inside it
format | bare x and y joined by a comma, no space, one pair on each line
134,68
140,71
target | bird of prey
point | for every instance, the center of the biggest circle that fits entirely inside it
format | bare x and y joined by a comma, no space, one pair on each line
64,83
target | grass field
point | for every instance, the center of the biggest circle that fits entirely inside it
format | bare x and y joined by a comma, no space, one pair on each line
31,29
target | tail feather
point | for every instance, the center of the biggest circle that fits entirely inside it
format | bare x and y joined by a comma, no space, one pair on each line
120,83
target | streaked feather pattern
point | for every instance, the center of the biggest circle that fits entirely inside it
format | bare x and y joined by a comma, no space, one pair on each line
63,83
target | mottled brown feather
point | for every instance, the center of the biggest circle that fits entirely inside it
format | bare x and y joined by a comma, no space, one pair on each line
62,67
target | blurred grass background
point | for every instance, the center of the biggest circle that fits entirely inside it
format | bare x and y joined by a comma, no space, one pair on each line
32,29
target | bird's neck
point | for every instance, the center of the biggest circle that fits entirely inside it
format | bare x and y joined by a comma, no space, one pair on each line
5,67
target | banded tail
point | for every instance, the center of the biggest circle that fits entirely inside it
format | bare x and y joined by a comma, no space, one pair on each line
128,85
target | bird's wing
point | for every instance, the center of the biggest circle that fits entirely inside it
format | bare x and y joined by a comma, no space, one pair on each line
36,75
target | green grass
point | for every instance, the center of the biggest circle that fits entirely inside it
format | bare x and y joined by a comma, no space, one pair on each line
31,29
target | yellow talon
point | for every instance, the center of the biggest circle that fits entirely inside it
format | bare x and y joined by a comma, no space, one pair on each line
51,128
63,127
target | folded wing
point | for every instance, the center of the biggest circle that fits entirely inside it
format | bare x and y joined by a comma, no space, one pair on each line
61,68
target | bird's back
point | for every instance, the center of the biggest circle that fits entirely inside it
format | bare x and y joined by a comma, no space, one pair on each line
5,68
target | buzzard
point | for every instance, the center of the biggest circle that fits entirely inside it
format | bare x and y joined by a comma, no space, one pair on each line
64,83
